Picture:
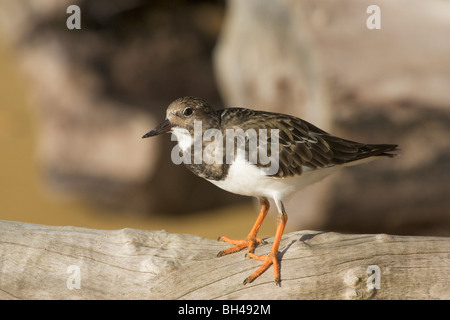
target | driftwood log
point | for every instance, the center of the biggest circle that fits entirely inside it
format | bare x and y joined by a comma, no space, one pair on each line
46,262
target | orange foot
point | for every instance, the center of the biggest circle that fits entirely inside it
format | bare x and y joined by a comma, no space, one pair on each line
268,261
250,243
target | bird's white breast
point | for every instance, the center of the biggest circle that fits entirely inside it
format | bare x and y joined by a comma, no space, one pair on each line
247,179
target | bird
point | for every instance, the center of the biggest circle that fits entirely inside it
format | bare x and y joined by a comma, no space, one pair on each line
301,154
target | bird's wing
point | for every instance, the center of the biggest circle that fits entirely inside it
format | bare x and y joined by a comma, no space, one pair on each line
301,145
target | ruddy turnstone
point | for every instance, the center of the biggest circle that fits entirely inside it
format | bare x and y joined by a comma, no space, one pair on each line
280,155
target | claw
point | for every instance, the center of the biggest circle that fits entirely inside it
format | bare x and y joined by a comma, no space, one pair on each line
247,280
221,253
277,282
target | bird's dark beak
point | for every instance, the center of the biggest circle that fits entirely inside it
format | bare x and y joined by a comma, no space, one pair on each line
163,127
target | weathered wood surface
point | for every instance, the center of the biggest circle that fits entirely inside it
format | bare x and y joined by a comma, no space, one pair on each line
35,263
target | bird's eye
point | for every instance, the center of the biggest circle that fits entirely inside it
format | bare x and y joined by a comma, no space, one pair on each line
187,112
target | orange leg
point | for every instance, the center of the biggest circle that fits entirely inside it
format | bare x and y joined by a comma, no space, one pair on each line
272,257
251,240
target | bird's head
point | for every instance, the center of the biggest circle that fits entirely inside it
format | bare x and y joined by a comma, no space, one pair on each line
182,113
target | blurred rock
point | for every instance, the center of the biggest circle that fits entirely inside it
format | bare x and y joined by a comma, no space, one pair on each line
99,89
318,60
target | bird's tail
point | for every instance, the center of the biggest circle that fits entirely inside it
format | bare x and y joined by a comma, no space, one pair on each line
379,150
347,151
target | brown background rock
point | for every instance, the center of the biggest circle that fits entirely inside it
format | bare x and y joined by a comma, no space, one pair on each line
99,89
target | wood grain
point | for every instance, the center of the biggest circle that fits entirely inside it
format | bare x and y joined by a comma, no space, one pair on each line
35,263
